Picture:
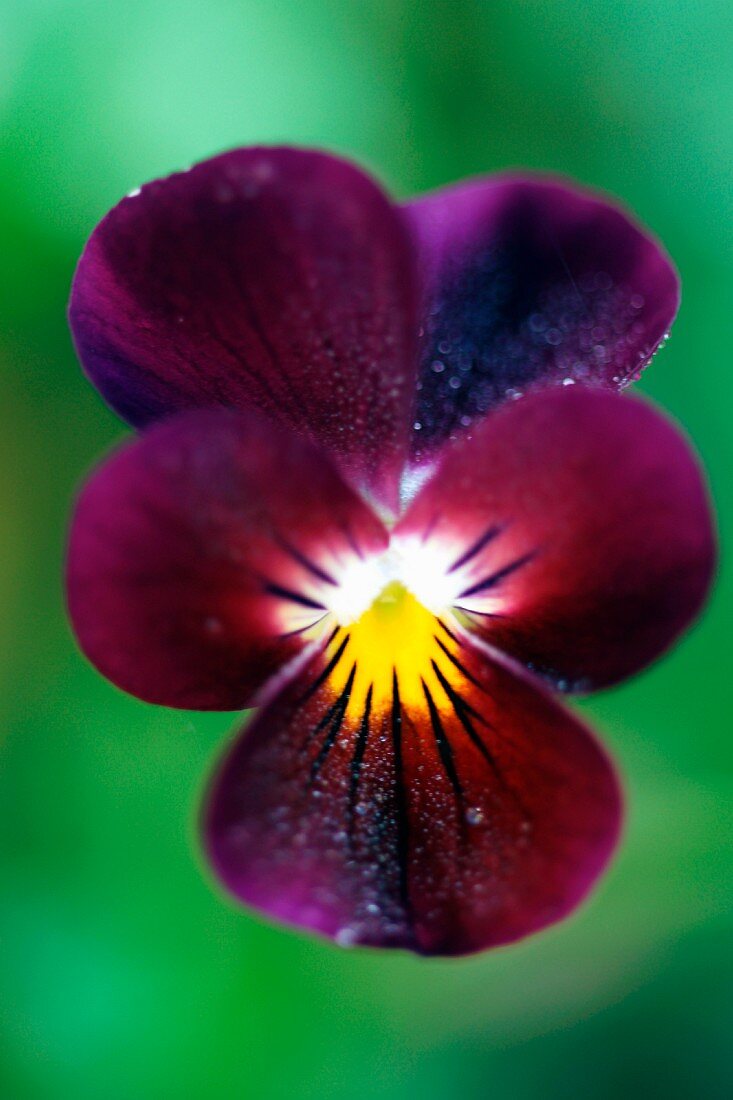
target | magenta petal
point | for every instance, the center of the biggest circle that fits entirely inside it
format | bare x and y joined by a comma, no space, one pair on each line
201,553
530,281
482,814
269,278
579,530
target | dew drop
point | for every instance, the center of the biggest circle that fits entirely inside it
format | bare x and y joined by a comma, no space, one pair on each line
346,937
474,815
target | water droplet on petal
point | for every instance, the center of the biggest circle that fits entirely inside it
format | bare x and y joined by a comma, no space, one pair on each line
346,937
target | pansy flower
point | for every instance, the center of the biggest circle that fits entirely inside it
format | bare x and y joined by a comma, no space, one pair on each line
385,490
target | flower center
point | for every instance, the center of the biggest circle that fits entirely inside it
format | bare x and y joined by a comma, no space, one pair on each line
395,638
413,566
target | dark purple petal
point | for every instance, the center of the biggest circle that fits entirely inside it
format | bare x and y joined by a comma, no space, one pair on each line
269,278
444,815
579,532
530,281
202,553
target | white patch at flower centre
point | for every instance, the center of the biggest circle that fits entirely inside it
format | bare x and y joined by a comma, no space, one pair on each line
423,568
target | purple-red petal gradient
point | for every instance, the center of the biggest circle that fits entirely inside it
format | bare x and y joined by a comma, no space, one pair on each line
467,819
579,529
529,281
201,553
269,278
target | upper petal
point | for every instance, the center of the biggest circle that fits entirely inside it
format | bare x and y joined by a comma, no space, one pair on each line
270,278
445,811
202,552
576,531
529,281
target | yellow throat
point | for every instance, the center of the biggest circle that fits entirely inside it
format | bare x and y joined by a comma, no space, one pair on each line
395,636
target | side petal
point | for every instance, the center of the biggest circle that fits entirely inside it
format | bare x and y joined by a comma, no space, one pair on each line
530,281
576,533
269,278
202,557
447,815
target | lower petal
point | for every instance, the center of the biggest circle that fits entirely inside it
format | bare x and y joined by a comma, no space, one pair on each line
444,811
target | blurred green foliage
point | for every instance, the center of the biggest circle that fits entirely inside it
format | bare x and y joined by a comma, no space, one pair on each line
124,973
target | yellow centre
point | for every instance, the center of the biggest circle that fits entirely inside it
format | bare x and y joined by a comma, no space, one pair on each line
396,635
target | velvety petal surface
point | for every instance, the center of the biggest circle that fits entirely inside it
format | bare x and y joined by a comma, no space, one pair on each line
444,809
270,278
529,281
575,529
201,554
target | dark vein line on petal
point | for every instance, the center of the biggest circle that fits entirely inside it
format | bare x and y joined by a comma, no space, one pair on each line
295,398
488,536
352,541
483,614
499,575
459,665
306,562
324,675
450,633
430,527
401,819
337,714
357,758
444,747
294,597
464,713
302,629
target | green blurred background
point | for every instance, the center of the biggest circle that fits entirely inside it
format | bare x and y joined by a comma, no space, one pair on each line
124,974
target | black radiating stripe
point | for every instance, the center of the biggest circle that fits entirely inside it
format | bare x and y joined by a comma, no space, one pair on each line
352,541
488,536
453,637
459,665
356,760
302,629
499,575
430,528
464,713
336,716
444,746
323,676
306,562
483,614
294,597
401,819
